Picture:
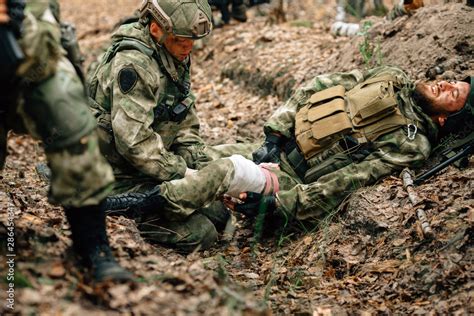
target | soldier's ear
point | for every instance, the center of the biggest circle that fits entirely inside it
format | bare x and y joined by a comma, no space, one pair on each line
156,31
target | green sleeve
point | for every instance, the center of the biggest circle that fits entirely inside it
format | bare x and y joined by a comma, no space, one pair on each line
40,43
189,144
397,11
133,117
393,153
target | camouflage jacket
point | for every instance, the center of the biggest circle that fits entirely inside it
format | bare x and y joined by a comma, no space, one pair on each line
132,91
397,11
392,152
40,41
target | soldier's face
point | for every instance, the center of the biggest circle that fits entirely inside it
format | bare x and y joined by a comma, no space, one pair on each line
3,12
445,97
179,47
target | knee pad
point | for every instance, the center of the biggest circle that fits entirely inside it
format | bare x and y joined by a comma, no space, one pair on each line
58,109
195,232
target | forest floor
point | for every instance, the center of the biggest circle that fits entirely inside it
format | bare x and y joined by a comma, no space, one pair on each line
370,257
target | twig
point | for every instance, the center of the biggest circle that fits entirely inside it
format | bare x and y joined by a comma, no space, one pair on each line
415,201
216,94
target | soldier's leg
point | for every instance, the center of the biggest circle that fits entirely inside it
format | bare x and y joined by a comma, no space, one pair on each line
187,233
223,7
176,201
230,176
239,10
227,150
55,110
3,139
177,221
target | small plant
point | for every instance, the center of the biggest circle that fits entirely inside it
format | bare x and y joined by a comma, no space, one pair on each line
371,52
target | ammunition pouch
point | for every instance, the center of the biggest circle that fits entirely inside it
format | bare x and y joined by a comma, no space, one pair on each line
322,122
336,128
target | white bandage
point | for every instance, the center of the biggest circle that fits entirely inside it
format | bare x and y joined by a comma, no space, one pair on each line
248,177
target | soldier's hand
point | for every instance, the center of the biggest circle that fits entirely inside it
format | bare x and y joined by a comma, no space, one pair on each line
254,203
270,150
4,18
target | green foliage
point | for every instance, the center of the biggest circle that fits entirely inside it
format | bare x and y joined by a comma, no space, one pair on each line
222,274
20,280
371,52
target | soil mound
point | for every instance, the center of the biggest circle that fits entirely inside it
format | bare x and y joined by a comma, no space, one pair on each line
274,59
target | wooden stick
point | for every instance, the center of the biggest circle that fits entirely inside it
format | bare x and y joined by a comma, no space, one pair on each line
415,201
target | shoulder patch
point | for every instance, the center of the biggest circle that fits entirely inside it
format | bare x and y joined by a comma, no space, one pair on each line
127,79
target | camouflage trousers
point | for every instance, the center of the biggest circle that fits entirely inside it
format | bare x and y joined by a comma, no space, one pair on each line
55,111
187,228
304,203
49,102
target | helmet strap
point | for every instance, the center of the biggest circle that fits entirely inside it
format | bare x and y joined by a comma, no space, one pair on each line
162,39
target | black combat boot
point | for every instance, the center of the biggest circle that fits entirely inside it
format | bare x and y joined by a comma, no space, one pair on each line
91,243
239,10
134,204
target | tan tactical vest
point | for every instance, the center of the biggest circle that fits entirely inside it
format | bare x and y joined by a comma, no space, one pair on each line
365,112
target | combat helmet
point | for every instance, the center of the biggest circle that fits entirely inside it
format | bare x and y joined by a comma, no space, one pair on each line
184,18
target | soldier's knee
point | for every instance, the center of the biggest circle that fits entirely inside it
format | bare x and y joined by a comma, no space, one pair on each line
80,176
197,232
58,108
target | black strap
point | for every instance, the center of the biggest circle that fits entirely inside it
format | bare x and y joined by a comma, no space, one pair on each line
184,87
126,44
296,159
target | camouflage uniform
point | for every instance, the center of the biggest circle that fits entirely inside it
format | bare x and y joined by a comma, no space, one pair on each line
50,100
397,11
141,140
405,7
312,201
51,105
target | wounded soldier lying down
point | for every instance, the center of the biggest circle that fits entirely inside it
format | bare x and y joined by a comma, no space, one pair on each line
341,132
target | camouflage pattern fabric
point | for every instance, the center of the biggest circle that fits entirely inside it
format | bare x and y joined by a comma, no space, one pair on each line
312,201
52,106
392,152
227,150
145,150
406,7
152,148
398,10
186,227
135,183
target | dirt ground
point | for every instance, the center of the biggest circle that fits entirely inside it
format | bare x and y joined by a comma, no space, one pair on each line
371,257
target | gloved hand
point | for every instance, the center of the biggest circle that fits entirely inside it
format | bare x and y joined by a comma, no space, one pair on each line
16,15
270,150
255,203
